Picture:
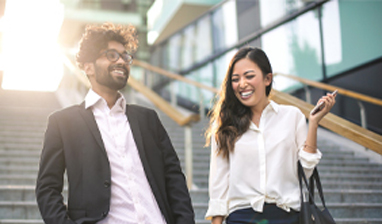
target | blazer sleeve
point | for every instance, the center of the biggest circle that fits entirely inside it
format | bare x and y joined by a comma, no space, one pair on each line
50,182
176,188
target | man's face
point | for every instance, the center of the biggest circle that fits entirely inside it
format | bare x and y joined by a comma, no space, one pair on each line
109,74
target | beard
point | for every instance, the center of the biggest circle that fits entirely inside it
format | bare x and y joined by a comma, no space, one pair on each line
105,77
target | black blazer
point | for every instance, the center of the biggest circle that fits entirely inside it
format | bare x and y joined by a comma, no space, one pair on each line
73,143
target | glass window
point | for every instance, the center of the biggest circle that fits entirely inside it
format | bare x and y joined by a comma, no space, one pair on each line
204,75
174,47
221,66
294,48
203,38
273,10
188,91
188,47
352,36
224,25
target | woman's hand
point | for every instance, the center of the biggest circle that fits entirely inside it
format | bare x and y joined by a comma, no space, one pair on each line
329,100
217,220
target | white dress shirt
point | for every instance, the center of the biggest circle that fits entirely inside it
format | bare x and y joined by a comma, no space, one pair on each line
132,200
263,166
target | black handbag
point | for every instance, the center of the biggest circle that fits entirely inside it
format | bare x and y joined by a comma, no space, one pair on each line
309,212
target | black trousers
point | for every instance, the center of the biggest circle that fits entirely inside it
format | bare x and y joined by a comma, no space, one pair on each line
271,215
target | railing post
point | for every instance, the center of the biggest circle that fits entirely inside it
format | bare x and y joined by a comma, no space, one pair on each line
173,94
201,104
149,79
362,112
188,155
307,94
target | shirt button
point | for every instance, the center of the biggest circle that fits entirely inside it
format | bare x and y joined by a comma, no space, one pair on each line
106,184
104,214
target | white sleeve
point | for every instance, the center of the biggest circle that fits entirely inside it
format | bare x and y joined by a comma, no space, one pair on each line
308,160
218,183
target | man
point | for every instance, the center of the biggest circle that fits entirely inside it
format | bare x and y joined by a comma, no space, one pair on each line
120,163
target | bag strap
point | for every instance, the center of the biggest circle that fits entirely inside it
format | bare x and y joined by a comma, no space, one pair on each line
302,177
315,177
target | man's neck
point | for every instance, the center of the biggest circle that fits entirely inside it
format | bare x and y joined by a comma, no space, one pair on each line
110,96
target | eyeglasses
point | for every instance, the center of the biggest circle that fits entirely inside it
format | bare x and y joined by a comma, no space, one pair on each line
113,56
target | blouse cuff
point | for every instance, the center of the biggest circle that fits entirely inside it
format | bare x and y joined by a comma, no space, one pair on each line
309,160
217,208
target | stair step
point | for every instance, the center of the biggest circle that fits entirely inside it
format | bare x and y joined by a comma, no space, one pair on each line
19,210
20,146
21,193
359,221
18,170
17,193
19,153
20,161
21,221
6,179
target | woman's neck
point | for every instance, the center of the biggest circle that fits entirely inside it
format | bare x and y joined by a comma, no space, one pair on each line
258,110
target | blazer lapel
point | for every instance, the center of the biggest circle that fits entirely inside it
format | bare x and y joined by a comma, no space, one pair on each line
135,129
88,116
133,119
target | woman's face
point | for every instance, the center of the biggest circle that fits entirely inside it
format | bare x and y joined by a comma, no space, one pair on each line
249,83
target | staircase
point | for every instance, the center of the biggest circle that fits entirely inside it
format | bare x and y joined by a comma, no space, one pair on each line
352,184
23,118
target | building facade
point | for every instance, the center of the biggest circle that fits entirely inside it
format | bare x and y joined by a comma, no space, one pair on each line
335,42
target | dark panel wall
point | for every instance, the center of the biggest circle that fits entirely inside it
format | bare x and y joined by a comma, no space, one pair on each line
366,79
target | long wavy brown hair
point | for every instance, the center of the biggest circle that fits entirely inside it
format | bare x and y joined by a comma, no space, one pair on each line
229,117
96,38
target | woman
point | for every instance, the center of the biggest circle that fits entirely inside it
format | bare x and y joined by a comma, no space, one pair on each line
255,146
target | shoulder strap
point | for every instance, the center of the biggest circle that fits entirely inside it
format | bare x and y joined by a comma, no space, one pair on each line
315,177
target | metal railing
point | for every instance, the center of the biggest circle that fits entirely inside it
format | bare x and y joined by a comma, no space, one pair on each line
338,125
357,96
332,122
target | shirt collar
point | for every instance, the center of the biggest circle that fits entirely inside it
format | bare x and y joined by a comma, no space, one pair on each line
93,98
272,106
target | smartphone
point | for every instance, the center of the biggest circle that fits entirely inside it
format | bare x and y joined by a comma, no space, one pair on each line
321,105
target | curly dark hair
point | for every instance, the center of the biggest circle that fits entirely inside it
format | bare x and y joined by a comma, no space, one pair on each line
229,117
96,38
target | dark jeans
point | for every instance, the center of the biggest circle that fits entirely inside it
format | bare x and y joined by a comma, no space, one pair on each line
271,215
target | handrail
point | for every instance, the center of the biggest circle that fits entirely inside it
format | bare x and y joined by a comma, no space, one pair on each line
172,75
162,104
332,122
335,123
158,101
331,88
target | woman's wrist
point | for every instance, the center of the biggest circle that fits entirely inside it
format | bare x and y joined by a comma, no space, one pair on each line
310,148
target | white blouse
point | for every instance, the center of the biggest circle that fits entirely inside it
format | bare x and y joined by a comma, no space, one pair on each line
263,166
